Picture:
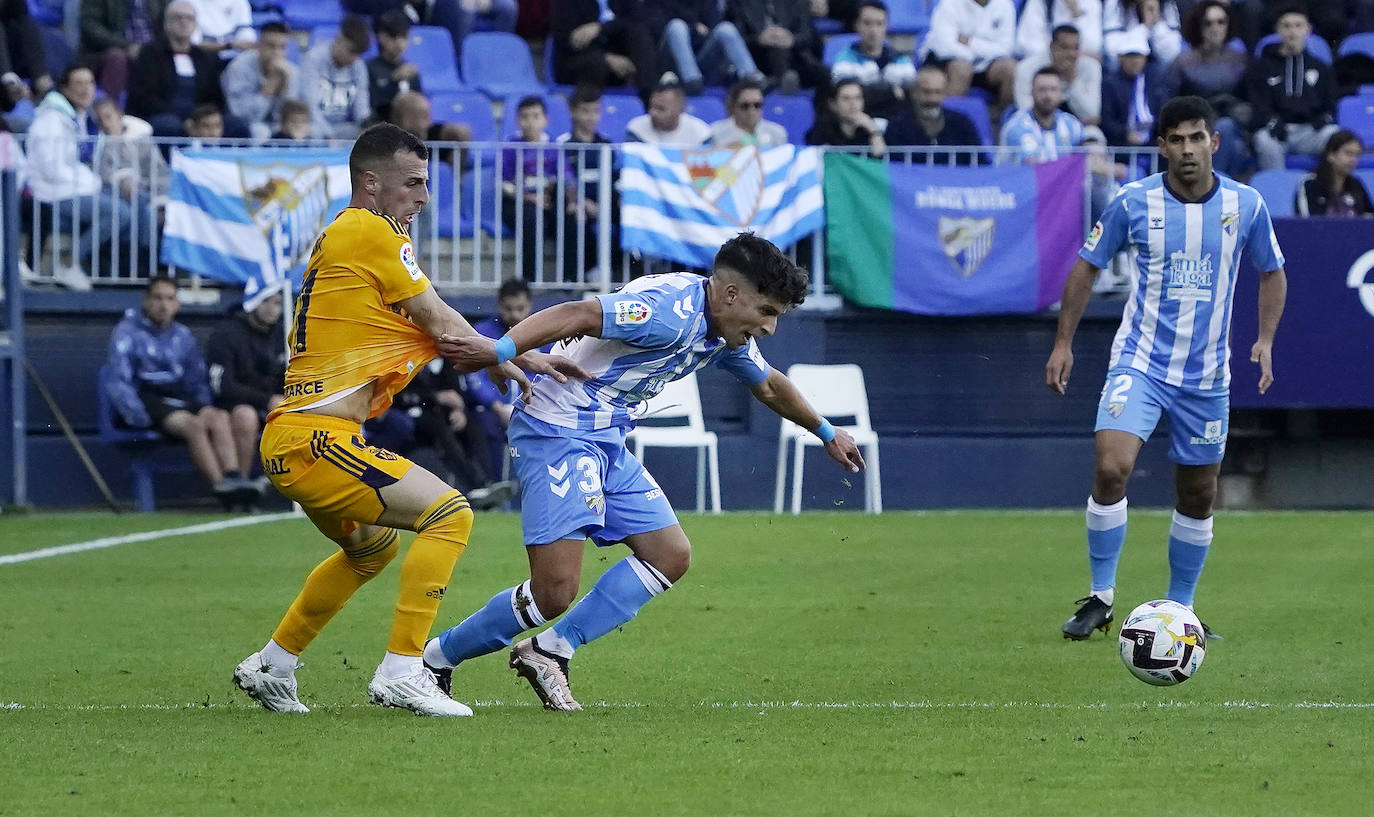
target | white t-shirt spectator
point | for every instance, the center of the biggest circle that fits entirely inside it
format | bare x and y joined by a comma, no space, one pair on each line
223,21
690,131
726,133
1034,29
990,29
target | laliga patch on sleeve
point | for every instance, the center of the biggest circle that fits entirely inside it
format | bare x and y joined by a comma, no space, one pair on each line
1093,237
632,313
408,261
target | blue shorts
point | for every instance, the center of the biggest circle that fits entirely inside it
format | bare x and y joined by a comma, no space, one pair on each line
580,484
1132,401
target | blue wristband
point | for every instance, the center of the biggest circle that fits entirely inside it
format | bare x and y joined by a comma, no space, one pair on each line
825,431
505,349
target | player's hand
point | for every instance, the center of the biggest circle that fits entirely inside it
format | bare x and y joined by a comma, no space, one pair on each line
1058,368
469,353
500,376
1262,353
843,450
556,366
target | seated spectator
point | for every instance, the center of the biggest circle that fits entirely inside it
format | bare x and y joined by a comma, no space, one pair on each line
1082,75
929,123
703,48
1132,94
158,381
334,82
127,161
170,77
247,362
974,40
844,122
23,60
746,125
1213,70
1293,94
410,111
1334,189
1043,132
1039,19
61,150
666,123
388,72
112,34
224,25
513,305
205,124
782,40
585,166
458,16
257,81
529,184
1157,20
602,42
884,73
295,121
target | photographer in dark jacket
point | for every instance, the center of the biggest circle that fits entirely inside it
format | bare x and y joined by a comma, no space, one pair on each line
247,360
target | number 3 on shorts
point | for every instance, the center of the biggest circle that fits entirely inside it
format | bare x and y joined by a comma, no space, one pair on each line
591,476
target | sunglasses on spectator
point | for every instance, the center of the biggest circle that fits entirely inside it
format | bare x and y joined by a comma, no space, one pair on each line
749,104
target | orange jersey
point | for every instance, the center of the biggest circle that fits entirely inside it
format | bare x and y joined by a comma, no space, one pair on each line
348,330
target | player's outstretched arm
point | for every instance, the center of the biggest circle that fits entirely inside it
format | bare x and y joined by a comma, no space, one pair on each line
439,321
468,353
778,393
1077,290
1273,293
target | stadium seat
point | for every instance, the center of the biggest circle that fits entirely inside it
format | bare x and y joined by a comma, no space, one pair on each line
499,64
836,44
1319,47
1300,161
794,113
431,50
616,112
460,221
469,107
306,14
907,16
325,33
1357,114
56,51
706,108
46,12
560,120
1277,188
150,452
976,109
673,419
1361,43
835,392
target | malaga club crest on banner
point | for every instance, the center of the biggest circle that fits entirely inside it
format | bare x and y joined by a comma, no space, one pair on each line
730,179
289,204
966,241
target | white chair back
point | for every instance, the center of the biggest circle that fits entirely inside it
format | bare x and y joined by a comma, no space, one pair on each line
834,391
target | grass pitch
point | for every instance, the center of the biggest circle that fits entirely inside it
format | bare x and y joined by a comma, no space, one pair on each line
825,664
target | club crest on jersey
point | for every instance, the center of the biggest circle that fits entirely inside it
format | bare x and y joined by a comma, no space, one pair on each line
1230,222
631,313
966,241
408,261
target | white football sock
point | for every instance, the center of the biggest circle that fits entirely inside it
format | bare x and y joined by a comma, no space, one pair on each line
1107,595
278,658
399,666
550,641
434,655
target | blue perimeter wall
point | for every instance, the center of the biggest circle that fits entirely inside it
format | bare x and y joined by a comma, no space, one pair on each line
960,405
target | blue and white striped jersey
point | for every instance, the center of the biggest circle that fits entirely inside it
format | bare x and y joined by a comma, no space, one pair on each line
653,331
1177,326
1024,133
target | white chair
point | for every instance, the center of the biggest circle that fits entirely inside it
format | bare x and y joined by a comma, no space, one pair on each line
680,400
833,391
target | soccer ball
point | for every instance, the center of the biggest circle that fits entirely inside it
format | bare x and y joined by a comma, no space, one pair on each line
1162,643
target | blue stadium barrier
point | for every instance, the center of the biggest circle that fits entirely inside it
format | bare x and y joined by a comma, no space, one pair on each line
707,108
794,113
1278,188
1319,47
836,44
499,64
974,108
555,105
1357,114
431,50
616,112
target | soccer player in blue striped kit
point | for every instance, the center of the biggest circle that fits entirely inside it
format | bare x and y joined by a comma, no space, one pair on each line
578,480
1171,355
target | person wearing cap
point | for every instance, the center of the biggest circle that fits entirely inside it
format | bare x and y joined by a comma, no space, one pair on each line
1132,94
247,364
1156,20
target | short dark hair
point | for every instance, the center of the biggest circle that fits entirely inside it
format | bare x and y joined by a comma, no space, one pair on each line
1191,27
512,287
742,85
379,145
393,23
66,75
354,29
1063,28
293,107
833,92
1048,71
274,27
871,4
204,110
1182,109
531,101
160,278
1291,7
760,262
584,93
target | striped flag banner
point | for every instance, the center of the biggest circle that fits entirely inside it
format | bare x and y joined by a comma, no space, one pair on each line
251,216
682,204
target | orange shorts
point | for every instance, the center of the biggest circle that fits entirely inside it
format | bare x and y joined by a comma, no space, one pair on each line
323,463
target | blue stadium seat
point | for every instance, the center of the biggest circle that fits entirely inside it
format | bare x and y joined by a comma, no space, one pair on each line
462,223
836,44
1278,187
1366,175
56,51
150,452
1320,48
469,107
974,108
431,49
794,113
46,12
264,16
1357,114
907,16
1361,43
560,120
707,108
306,14
499,64
616,112
1300,161
825,25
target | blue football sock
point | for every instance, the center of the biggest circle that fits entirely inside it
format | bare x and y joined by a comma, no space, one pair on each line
508,614
1189,540
1106,537
613,600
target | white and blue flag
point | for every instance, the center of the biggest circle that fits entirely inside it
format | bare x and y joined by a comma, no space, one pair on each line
250,216
683,203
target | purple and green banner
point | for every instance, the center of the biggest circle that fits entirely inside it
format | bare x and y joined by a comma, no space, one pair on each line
952,240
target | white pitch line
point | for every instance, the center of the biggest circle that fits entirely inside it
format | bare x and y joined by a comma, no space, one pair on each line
144,536
757,705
